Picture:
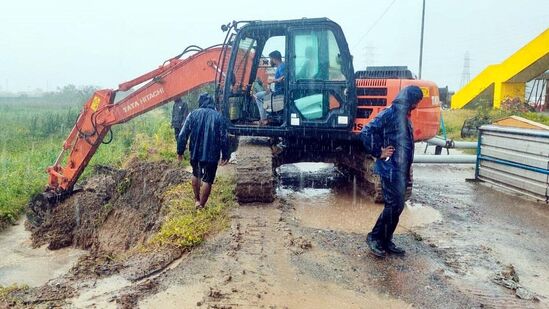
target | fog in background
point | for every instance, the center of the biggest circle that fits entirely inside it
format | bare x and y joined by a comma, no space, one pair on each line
48,44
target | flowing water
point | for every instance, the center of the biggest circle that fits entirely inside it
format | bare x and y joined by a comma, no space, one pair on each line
22,264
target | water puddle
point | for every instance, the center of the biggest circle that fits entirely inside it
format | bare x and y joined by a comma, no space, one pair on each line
23,264
330,209
344,206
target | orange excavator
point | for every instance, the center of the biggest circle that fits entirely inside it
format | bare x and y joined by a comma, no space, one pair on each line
324,105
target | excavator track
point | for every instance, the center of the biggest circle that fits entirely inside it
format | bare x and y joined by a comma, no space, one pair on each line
371,177
363,167
255,176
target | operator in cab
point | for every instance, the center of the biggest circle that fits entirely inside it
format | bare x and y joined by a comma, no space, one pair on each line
206,131
276,61
389,137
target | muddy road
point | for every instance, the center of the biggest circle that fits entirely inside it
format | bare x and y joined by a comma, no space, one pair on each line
467,246
307,250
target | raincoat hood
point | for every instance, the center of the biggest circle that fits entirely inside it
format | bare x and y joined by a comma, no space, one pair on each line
408,98
206,101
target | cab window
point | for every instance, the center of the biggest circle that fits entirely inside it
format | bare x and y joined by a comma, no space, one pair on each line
318,73
317,56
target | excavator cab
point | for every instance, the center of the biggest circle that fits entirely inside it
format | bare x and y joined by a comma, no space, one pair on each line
318,94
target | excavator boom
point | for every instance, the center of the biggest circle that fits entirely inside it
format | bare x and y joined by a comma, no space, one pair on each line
171,80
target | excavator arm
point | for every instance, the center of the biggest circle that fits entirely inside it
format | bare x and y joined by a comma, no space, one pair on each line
169,81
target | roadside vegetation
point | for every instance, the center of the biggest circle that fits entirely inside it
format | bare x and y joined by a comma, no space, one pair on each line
6,295
454,119
185,226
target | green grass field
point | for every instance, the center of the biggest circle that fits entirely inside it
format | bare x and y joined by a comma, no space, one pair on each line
31,135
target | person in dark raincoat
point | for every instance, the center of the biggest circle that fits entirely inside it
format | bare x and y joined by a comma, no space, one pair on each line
207,131
389,138
179,113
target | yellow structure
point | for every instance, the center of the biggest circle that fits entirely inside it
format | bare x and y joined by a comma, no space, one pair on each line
508,79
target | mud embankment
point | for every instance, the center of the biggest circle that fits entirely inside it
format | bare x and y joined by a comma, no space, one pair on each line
115,211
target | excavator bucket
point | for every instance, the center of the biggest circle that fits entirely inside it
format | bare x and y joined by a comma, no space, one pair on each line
43,203
39,206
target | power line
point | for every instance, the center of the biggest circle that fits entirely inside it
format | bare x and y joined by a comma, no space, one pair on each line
375,23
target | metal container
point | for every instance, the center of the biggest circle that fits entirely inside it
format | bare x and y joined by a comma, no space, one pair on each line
515,159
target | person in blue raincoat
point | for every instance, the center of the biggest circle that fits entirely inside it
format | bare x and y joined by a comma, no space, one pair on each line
206,130
389,138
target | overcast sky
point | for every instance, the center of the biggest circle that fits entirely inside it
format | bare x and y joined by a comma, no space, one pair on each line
45,44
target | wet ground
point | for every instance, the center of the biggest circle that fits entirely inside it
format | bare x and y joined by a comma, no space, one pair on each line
22,264
484,231
307,250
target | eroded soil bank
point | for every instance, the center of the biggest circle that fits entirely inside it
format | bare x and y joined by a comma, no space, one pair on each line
116,209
